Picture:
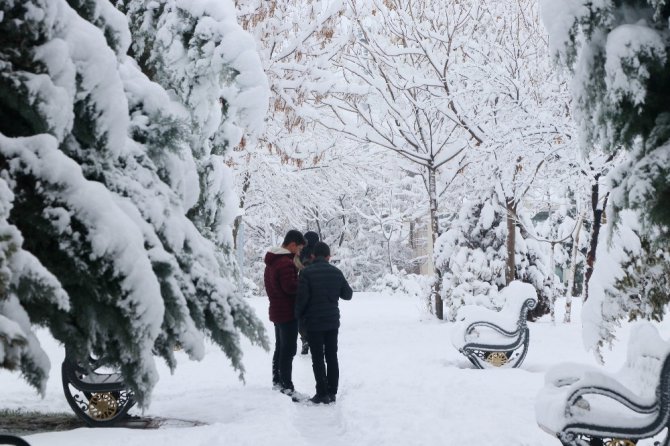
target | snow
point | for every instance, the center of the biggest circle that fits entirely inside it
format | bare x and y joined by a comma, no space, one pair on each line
219,64
11,331
30,350
559,18
401,383
626,74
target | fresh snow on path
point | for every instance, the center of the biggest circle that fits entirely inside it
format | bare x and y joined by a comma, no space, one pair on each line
401,383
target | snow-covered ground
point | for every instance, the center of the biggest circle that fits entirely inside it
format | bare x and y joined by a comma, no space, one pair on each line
402,383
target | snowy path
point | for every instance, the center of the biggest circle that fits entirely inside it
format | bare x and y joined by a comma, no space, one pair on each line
402,383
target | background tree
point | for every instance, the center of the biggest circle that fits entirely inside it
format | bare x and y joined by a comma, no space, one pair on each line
451,85
618,54
620,90
296,41
405,93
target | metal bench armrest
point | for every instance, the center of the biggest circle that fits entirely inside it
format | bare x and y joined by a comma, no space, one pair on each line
492,326
611,388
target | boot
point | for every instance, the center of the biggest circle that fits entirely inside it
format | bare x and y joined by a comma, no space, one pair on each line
321,399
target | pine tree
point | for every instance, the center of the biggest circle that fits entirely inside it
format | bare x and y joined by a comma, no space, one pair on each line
100,163
630,280
618,53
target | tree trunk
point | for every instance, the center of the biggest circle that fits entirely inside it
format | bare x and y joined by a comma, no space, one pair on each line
552,298
510,268
238,220
595,231
388,254
434,226
344,223
573,271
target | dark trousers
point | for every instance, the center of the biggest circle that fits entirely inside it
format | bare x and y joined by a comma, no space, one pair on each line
303,335
323,344
286,340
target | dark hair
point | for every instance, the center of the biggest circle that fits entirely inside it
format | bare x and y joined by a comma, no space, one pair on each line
321,250
312,239
294,236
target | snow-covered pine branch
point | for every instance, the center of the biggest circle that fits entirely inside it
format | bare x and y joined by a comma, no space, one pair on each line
102,169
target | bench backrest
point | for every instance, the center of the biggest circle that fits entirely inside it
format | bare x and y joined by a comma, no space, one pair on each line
520,298
91,381
645,358
646,370
652,369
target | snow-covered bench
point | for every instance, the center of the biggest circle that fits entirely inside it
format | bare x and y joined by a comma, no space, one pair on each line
496,338
98,398
13,440
584,405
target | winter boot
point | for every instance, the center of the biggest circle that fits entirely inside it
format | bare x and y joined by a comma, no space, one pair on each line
321,399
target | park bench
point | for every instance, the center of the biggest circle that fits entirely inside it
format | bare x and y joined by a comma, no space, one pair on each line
491,338
13,440
97,397
585,406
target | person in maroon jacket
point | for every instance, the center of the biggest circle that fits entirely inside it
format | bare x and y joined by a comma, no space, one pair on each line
281,285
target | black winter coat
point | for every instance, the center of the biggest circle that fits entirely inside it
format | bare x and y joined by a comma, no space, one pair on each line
320,287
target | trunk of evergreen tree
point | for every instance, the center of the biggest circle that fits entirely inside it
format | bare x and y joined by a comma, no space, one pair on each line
595,232
434,226
510,268
573,270
243,194
550,279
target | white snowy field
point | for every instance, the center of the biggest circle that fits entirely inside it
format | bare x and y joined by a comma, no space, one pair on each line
401,383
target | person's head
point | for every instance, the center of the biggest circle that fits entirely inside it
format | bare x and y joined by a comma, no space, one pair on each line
294,241
311,237
321,249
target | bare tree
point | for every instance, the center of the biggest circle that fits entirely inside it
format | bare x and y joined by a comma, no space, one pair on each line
406,93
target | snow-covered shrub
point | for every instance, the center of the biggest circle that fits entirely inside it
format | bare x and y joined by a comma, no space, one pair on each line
250,288
471,255
358,266
414,285
532,266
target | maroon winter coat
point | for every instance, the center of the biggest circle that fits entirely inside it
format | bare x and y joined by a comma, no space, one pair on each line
281,284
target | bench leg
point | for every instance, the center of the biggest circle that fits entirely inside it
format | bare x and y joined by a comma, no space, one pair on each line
99,409
572,439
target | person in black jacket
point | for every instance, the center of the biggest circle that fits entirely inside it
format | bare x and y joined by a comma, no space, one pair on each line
320,287
302,261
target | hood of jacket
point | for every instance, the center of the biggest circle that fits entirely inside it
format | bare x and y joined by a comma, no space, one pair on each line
275,253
